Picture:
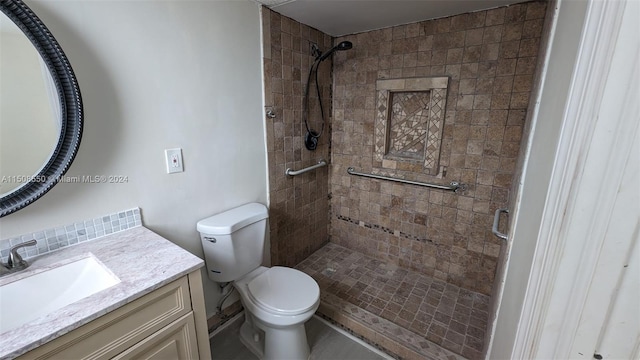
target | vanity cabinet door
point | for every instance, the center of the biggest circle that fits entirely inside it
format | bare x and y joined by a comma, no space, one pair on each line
175,341
121,329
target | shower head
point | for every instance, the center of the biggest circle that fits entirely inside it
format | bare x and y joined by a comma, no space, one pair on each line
345,45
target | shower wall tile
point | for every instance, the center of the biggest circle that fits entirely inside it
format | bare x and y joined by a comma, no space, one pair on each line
490,58
299,206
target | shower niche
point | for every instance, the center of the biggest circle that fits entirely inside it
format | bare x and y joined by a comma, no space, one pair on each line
409,126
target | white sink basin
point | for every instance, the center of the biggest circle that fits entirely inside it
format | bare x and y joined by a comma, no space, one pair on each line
40,294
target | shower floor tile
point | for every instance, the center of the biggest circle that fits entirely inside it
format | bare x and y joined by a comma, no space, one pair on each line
427,317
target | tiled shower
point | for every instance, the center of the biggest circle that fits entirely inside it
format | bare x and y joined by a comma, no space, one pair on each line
408,268
298,220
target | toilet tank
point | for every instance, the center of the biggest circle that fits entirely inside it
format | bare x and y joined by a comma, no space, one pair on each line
233,241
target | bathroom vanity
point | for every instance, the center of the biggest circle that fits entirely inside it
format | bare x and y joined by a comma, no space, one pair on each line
154,309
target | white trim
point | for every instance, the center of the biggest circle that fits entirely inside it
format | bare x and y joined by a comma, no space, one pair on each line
599,36
611,148
265,53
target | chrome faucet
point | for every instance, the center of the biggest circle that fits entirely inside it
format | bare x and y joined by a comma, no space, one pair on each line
15,262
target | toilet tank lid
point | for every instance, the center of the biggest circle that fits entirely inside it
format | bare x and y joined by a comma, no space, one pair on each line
232,220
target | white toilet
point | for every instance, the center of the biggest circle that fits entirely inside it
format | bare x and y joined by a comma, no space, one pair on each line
277,300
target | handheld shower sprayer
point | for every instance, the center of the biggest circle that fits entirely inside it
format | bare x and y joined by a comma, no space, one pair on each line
312,136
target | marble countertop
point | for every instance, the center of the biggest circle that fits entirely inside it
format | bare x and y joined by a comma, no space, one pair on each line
142,260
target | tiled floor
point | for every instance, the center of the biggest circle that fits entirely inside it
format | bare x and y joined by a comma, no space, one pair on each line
325,341
406,306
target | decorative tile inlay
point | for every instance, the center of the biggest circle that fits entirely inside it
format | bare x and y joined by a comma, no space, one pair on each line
384,229
63,236
410,121
381,125
436,125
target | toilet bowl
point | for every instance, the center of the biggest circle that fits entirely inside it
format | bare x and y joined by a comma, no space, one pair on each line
277,300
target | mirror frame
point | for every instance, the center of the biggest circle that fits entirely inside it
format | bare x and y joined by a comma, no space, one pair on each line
70,105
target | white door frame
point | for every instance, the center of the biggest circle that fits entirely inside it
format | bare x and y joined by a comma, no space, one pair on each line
580,200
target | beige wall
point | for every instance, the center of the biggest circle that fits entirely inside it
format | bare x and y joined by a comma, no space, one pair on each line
158,75
490,58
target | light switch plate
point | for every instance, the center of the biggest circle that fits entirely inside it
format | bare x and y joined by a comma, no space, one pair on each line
173,159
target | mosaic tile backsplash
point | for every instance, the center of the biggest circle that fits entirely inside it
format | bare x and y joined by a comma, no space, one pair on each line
490,59
53,239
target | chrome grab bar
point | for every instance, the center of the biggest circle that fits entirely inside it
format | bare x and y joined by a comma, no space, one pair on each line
496,222
453,186
290,172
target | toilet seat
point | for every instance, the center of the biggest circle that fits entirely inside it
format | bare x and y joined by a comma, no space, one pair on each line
284,291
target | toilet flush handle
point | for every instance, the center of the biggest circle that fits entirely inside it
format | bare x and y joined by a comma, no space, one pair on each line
210,239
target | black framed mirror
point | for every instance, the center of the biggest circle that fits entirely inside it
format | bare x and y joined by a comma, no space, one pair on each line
26,187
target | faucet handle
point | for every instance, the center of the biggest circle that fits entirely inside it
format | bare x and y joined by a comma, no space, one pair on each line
15,260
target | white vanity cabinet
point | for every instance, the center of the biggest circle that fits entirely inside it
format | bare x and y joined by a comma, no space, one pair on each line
168,323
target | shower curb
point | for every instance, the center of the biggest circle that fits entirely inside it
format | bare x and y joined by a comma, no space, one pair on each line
381,332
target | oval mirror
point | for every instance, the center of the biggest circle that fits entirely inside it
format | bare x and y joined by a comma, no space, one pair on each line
40,108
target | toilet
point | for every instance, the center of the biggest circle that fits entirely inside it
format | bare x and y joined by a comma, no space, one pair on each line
277,300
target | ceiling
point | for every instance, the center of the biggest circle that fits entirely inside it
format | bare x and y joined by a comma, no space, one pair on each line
343,17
